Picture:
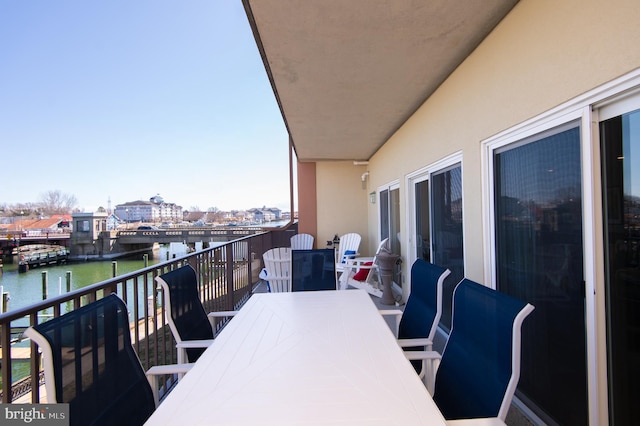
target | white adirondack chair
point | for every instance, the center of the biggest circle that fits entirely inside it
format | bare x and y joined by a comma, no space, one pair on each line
302,242
363,273
277,262
348,249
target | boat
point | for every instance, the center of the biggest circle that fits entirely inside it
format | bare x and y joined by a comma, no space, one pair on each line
34,255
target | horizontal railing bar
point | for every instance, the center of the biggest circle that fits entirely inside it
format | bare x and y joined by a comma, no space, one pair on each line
91,289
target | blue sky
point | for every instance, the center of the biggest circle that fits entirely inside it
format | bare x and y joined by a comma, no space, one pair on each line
124,99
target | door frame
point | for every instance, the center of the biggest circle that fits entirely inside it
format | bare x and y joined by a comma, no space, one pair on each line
417,176
585,108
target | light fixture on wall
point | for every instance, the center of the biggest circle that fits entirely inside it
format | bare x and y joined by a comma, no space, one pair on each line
372,197
364,177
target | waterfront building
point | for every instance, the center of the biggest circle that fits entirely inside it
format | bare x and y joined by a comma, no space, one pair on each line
113,222
36,227
266,214
86,229
154,210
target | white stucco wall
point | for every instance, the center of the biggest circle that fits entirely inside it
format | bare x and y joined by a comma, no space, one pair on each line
342,202
543,54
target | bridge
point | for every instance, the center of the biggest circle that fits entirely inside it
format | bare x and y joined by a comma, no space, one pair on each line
113,244
187,236
110,244
11,240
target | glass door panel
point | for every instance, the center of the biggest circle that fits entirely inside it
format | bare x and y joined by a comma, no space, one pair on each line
390,224
423,223
447,240
539,258
384,214
620,141
394,221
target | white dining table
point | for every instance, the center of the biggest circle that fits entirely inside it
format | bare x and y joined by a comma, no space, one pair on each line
302,358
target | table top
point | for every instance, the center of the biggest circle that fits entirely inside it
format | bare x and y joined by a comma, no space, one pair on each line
321,357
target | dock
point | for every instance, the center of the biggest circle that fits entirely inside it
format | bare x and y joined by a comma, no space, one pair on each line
41,255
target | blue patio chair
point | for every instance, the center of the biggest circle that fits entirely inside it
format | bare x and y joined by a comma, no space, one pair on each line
313,270
192,327
90,364
416,326
479,369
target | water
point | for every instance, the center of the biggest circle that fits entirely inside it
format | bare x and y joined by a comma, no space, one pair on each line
26,288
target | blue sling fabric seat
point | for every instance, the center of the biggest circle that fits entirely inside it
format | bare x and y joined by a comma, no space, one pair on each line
191,325
90,364
480,365
423,310
313,270
418,323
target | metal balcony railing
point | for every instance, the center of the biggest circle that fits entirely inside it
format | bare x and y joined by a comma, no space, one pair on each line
226,273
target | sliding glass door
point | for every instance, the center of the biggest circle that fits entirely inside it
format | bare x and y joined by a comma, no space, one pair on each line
539,259
437,226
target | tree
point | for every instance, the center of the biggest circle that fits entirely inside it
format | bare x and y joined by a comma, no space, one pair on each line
56,202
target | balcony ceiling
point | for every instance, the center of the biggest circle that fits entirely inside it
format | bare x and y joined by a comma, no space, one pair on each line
348,73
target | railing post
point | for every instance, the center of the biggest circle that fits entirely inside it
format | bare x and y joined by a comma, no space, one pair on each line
6,361
34,361
45,285
193,261
229,274
250,258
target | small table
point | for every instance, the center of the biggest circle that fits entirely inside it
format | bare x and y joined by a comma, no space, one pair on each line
318,357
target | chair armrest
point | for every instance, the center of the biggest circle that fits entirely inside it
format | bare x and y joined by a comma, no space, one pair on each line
211,316
359,261
430,363
418,355
395,312
348,258
191,344
222,314
359,266
160,370
485,421
407,343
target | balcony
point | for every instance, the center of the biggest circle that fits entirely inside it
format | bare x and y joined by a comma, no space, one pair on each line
227,277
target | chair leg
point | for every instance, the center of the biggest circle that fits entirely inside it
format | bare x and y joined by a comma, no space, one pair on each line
344,277
153,381
182,359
